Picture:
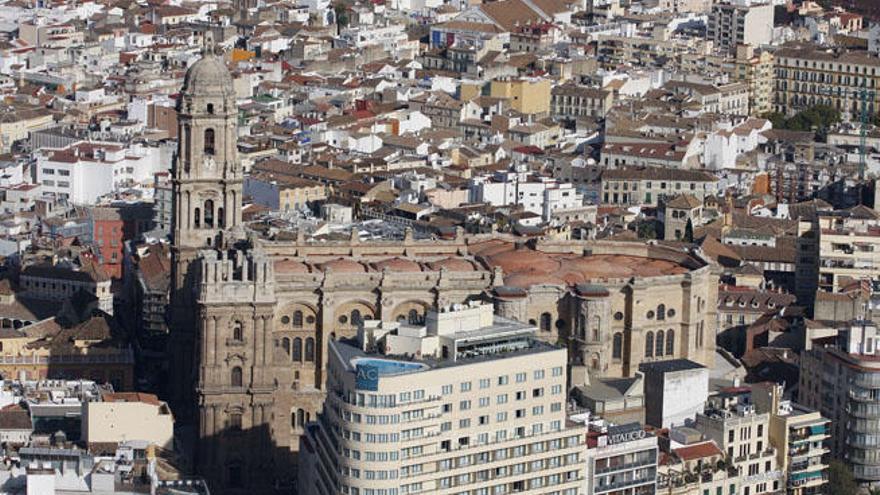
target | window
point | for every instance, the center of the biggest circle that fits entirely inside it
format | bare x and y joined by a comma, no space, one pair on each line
659,348
209,141
297,349
617,346
235,421
649,344
546,322
297,318
661,312
356,317
310,349
209,213
237,332
413,317
670,342
210,108
236,378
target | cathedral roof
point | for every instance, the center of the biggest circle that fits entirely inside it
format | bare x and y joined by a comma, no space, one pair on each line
208,75
398,265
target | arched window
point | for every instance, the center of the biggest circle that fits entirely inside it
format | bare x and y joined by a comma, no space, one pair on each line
661,312
659,346
300,418
356,318
235,421
237,332
236,378
670,342
220,221
209,141
285,344
210,108
649,344
209,213
297,318
310,349
594,362
617,346
197,215
297,349
546,322
413,317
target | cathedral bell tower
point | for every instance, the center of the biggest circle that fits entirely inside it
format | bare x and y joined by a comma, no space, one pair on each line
206,186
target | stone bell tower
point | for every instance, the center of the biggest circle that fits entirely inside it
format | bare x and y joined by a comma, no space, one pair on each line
206,185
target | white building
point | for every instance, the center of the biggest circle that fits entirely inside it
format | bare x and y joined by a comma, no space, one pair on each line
390,37
621,459
542,196
675,391
83,172
740,22
468,401
724,145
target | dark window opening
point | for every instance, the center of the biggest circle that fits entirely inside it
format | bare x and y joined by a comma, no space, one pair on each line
209,141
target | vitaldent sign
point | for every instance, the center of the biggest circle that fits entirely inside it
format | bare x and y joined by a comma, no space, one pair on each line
625,433
367,377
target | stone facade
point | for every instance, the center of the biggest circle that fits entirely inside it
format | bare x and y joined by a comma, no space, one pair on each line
252,318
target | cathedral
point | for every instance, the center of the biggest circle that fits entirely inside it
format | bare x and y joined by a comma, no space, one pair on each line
251,317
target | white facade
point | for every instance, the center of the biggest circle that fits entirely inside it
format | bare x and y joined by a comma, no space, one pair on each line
539,195
723,146
84,172
482,404
390,37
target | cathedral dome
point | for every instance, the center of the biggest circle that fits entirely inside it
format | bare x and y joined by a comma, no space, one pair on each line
208,75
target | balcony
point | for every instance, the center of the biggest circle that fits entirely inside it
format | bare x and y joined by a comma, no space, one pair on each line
867,380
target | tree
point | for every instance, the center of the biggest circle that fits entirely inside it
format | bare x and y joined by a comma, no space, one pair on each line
646,230
840,479
341,15
689,231
817,118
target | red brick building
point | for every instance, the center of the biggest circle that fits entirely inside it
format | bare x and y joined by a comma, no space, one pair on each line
112,227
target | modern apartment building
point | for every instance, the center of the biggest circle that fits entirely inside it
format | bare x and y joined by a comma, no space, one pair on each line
467,403
621,460
841,378
730,419
810,76
836,248
799,435
740,22
756,68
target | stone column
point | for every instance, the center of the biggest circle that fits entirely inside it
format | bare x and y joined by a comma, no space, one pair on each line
267,336
215,336
210,338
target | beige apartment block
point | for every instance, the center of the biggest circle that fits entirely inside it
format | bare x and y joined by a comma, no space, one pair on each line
469,402
121,417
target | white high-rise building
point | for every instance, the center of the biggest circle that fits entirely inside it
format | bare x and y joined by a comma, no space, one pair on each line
740,22
468,403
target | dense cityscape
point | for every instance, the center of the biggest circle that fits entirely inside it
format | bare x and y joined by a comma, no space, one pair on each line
464,247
